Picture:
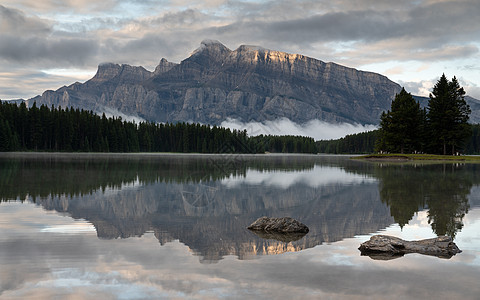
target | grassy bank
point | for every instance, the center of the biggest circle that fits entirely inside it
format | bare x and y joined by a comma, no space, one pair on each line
407,157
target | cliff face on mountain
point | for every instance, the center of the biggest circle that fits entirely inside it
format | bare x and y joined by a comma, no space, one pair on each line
248,84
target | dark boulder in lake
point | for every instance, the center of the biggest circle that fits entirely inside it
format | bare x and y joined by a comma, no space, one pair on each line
278,225
384,247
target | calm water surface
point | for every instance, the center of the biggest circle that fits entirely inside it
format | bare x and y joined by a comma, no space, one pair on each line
174,227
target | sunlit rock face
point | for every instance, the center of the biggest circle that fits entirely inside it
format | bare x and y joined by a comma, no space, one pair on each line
249,84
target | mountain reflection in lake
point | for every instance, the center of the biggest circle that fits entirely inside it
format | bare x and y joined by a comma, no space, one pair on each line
205,202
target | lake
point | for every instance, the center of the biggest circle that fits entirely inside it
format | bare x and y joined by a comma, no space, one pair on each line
166,226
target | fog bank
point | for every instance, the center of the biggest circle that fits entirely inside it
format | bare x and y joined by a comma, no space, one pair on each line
319,130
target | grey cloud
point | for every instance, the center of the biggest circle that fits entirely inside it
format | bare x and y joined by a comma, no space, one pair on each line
185,17
419,26
364,25
43,50
68,6
373,31
470,67
415,88
23,83
16,22
30,40
81,6
429,26
454,52
93,24
146,50
398,51
168,20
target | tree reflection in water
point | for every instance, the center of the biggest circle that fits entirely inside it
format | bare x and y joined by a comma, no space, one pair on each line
443,189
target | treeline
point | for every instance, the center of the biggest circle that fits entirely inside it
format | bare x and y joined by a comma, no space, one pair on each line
55,129
350,144
440,128
284,144
365,143
472,146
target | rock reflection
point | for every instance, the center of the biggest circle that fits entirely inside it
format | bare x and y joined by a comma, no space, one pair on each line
282,237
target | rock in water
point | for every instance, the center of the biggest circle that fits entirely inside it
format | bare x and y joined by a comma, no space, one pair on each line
280,225
384,246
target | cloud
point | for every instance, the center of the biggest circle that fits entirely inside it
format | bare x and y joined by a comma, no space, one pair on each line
111,112
28,39
316,129
395,70
84,33
15,21
78,6
419,88
23,83
419,23
181,19
472,89
281,25
425,87
44,51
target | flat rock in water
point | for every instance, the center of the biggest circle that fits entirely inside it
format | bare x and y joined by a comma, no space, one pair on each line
279,225
389,247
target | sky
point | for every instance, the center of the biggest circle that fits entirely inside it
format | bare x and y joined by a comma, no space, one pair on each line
50,43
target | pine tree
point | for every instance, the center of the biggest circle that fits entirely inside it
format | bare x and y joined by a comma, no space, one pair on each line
5,136
447,117
400,127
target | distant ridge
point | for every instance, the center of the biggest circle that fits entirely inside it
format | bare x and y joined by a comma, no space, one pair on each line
250,83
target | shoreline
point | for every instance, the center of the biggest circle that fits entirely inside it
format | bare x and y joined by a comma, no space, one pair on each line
418,157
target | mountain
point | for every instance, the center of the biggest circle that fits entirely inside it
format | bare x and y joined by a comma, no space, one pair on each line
248,84
472,102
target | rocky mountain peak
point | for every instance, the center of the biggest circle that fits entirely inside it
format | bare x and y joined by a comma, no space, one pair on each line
210,55
251,48
109,71
211,48
106,71
163,66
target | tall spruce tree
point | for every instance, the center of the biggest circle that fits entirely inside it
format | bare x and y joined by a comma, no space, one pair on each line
400,128
447,117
